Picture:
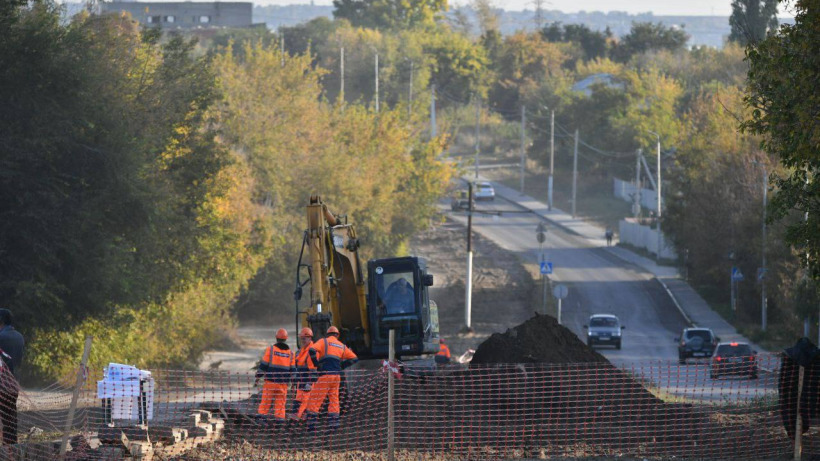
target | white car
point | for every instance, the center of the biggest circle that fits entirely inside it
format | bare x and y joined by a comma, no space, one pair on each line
604,329
484,191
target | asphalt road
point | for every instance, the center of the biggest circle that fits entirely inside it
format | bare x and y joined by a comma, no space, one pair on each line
600,282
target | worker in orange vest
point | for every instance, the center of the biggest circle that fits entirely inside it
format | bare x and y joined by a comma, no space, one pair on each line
276,368
443,355
305,373
331,356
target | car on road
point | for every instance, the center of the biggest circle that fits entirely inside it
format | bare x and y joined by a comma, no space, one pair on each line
604,329
696,342
460,202
484,191
733,359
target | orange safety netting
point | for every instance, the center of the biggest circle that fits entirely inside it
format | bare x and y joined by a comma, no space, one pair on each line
660,410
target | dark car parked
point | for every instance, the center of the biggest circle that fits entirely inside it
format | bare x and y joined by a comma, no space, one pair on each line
734,359
696,342
461,202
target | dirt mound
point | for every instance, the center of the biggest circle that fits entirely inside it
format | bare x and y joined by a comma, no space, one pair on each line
538,340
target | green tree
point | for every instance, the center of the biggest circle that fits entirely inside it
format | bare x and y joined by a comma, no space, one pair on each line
593,43
646,36
389,14
124,218
782,96
524,62
752,20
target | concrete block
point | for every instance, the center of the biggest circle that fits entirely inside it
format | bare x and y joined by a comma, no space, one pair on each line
218,426
201,430
167,434
109,453
204,416
142,451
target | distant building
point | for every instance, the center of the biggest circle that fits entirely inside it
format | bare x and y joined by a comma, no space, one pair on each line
586,85
184,15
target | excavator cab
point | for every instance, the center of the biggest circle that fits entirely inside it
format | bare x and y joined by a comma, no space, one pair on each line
398,298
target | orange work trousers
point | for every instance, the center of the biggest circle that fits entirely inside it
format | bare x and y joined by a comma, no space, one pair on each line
302,397
325,386
274,394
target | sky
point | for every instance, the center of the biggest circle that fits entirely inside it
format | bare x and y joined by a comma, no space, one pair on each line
657,7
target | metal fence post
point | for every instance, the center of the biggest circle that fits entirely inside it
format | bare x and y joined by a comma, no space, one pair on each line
798,429
391,441
75,397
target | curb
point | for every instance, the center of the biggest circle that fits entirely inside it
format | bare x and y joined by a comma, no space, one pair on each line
675,301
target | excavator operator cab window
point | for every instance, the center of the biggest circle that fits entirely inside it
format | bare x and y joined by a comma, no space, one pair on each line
396,293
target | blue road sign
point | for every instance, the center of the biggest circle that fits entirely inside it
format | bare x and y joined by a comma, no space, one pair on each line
737,276
546,267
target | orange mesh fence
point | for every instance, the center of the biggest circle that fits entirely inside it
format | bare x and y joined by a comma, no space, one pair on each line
660,410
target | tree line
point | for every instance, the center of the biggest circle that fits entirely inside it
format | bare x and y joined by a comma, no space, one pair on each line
150,188
154,185
696,99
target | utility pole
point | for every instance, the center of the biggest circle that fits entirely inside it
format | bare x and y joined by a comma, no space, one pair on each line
282,50
377,82
636,210
552,158
433,130
468,296
660,205
523,148
342,74
539,13
410,96
763,301
575,173
477,131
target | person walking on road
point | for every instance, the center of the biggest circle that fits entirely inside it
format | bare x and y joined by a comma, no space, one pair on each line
276,368
12,345
443,355
609,234
331,356
306,373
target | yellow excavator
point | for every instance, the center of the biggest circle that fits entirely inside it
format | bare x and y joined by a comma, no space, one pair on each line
394,296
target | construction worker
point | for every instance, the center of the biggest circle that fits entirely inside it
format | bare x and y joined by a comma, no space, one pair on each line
276,368
331,356
305,373
443,355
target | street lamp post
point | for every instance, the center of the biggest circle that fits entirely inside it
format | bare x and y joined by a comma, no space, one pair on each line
660,205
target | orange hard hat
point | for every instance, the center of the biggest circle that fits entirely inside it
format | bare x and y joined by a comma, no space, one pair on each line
306,332
332,331
282,334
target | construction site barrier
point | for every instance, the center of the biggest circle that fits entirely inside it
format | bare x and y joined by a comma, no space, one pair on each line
659,410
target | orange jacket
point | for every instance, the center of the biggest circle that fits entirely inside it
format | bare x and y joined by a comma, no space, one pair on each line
332,355
277,364
443,355
305,368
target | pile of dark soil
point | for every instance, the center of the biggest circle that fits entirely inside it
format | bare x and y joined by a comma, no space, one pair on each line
538,340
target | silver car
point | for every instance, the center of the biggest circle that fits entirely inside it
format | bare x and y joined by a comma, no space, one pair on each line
484,191
604,329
